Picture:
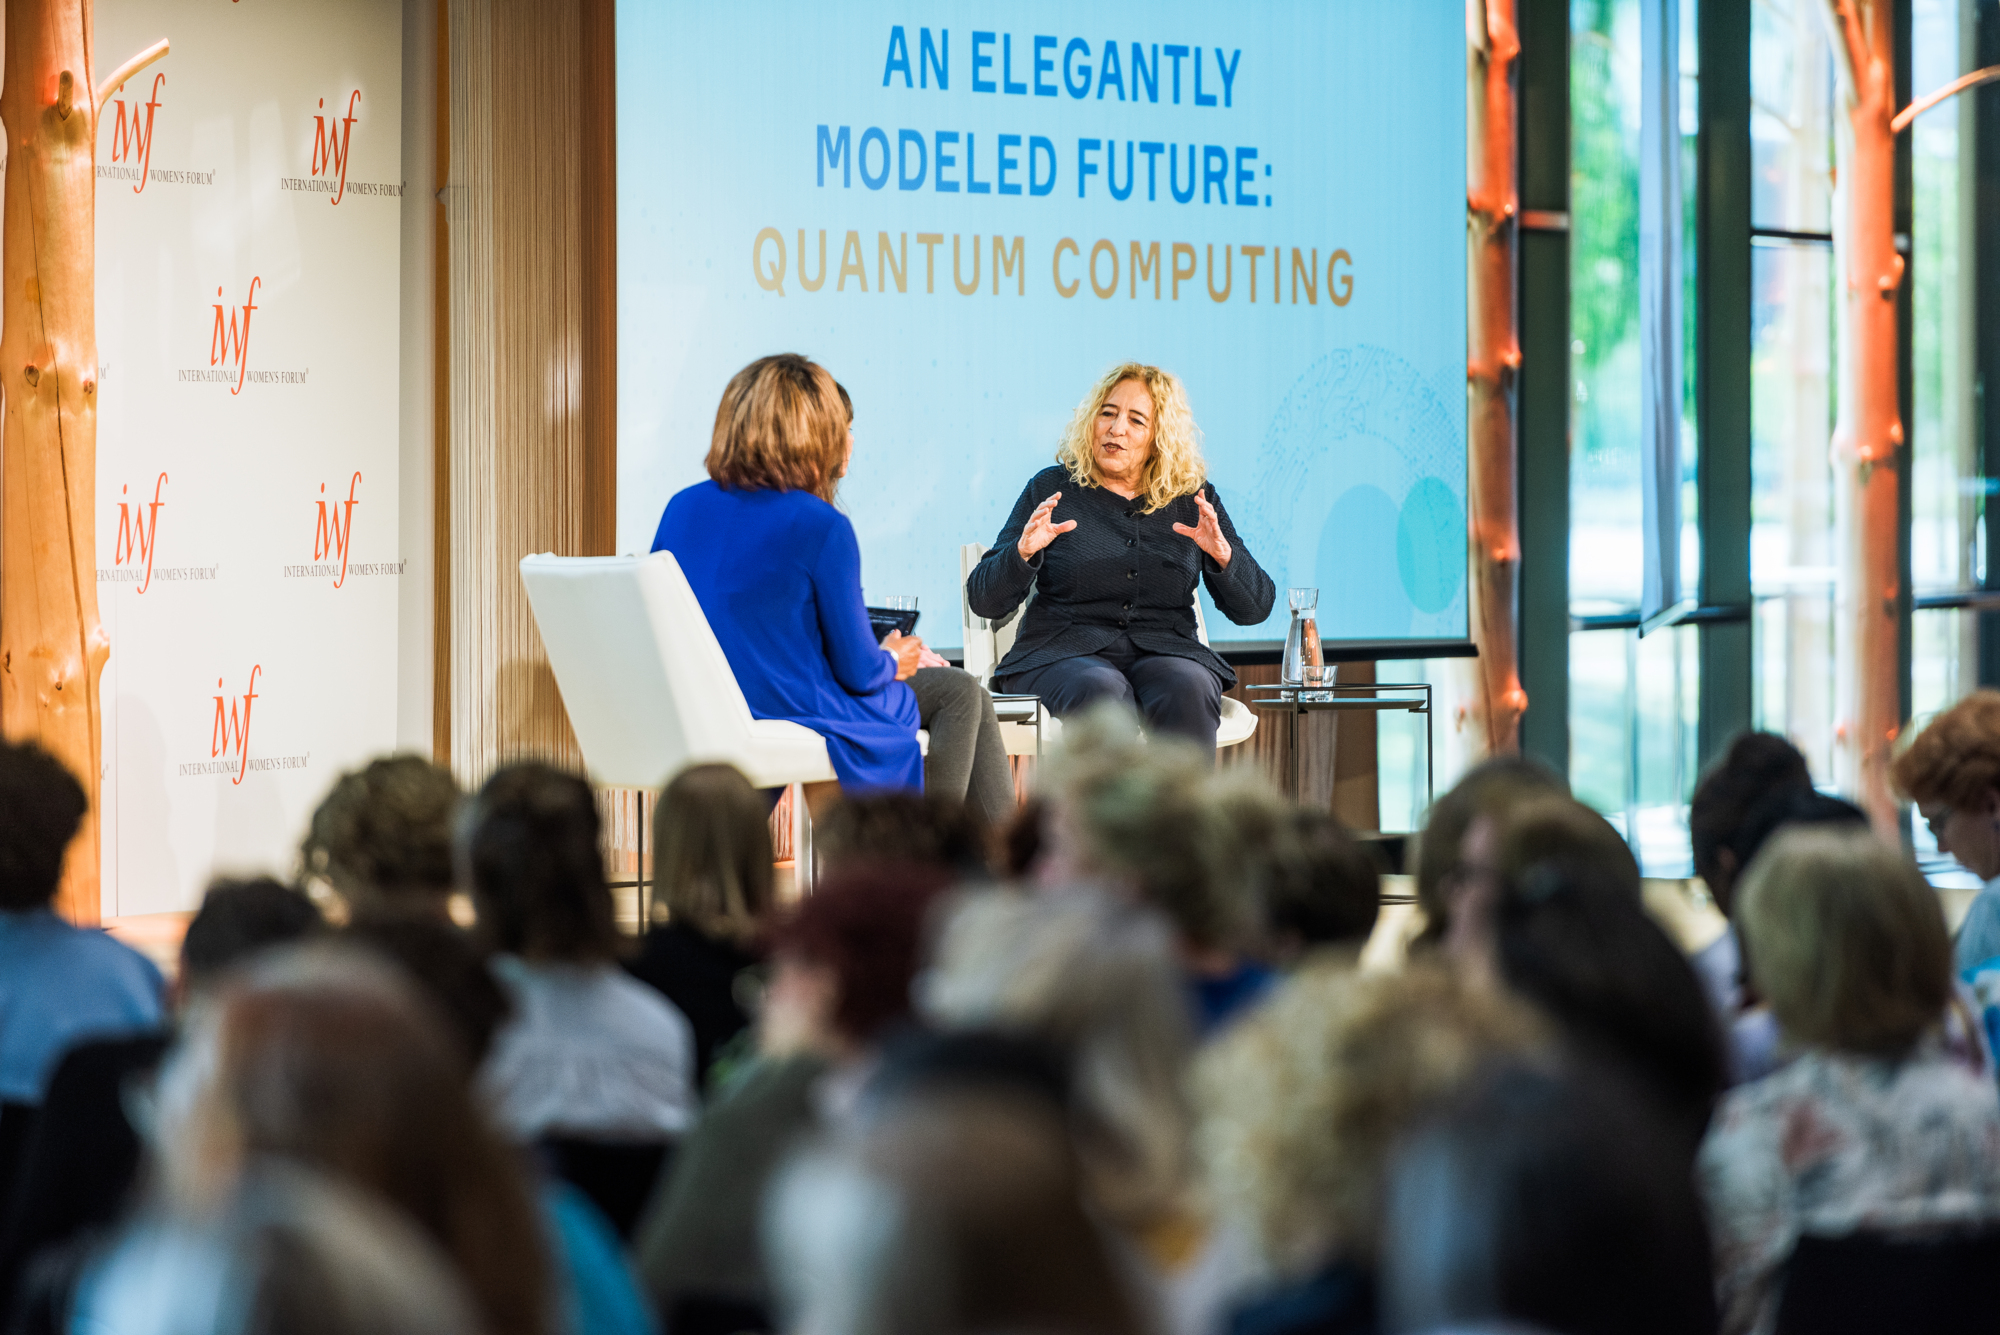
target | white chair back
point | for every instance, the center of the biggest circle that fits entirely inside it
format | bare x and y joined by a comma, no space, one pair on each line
646,685
986,641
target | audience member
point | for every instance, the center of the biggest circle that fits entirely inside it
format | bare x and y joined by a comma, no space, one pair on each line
1754,1050
239,917
1022,843
1324,889
1572,936
920,829
1547,1201
58,983
80,1163
712,898
1761,783
842,964
449,966
1442,871
1301,1104
381,839
951,1210
1756,766
1874,1128
1144,819
323,1058
1098,979
1952,772
590,1053
288,1252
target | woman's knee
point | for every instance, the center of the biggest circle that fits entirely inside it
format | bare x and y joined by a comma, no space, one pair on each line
948,690
1180,689
1100,681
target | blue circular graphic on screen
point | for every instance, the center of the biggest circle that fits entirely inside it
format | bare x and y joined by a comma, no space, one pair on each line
1362,528
1430,545
1360,490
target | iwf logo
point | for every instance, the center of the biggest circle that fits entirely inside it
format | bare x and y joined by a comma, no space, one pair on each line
139,531
132,137
231,342
336,528
330,144
232,725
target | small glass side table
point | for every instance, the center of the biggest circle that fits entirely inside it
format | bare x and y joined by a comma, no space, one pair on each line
1365,697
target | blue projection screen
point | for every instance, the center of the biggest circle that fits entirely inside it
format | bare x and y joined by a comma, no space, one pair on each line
969,213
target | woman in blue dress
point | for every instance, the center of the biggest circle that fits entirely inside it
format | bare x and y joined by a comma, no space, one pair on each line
777,570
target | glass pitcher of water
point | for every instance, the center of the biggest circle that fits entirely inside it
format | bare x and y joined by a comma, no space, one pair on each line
1302,639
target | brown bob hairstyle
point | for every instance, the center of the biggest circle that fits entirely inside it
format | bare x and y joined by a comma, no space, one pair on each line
780,427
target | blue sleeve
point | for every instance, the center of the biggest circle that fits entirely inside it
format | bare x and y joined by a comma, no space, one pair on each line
858,663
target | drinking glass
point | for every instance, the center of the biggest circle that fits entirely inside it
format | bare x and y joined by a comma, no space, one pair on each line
1316,681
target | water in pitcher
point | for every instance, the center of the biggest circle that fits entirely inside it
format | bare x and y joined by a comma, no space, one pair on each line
1302,639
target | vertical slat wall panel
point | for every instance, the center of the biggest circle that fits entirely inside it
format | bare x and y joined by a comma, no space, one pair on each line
528,473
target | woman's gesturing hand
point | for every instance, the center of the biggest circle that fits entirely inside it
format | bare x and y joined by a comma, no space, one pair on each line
1207,534
1041,529
907,650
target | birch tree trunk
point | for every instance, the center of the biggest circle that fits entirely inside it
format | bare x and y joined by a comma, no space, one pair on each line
1868,433
52,646
1490,716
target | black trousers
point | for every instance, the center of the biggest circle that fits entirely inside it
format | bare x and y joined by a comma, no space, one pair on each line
1173,695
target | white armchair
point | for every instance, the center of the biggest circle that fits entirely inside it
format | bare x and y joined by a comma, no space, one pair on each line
647,687
1028,727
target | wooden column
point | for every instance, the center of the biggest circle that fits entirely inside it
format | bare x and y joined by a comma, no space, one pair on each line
1496,702
52,644
1868,435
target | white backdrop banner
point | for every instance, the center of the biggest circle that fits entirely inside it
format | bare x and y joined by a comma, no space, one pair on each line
248,267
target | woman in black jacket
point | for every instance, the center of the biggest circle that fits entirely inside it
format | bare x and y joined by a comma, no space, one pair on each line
1113,615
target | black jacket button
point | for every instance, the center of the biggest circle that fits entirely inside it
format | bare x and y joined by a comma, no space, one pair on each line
1131,542
1131,574
1128,607
1121,623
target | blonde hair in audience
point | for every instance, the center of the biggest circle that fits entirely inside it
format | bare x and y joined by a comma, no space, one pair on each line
1302,1101
1845,940
780,426
1148,812
1956,758
1175,468
1100,981
712,852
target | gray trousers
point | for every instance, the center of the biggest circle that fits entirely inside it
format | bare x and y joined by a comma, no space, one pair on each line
967,759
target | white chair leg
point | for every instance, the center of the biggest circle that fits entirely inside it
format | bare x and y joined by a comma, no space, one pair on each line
803,863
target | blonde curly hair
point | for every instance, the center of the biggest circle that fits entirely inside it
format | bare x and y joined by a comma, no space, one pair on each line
1175,469
1302,1102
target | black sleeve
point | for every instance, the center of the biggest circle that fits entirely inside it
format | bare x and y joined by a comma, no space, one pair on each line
1002,579
1241,590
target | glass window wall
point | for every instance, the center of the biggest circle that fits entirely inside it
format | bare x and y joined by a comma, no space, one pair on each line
1792,551
1632,701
